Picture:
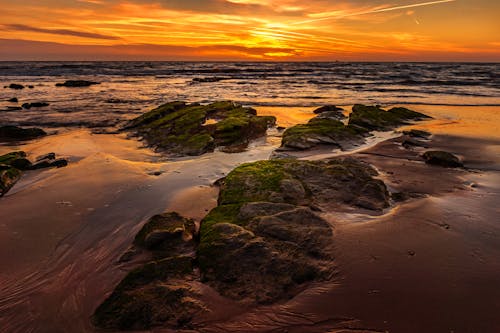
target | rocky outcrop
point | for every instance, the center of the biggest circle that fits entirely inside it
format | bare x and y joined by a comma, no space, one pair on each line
321,130
157,293
327,127
76,83
14,133
192,129
13,164
375,118
262,244
442,158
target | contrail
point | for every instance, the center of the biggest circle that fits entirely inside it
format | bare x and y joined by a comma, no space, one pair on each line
376,11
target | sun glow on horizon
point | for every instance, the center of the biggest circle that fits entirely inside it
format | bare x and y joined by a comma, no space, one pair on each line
250,29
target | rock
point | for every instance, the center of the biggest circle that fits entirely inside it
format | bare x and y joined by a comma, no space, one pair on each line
8,178
12,108
18,133
59,163
151,295
165,232
34,105
16,86
16,160
328,108
31,87
442,158
76,83
337,181
13,100
49,156
321,131
246,241
417,133
11,165
335,115
180,129
374,118
209,79
411,142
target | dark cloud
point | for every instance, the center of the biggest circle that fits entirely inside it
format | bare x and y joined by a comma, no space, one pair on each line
15,49
66,32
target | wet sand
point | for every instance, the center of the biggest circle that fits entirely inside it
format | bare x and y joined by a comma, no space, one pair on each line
431,264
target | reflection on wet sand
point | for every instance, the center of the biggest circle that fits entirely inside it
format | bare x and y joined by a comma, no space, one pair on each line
429,265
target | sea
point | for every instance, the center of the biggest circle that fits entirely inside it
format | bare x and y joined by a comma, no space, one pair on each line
127,89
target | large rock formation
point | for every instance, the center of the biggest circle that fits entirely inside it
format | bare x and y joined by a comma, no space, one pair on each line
262,244
328,129
192,129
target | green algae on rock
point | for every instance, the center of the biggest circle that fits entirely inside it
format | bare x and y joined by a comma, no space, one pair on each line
321,130
262,244
14,163
328,129
375,118
193,129
264,241
157,293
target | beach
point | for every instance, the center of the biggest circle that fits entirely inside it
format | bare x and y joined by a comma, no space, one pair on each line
429,263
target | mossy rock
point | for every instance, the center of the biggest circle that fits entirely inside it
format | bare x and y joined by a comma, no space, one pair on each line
321,130
12,133
180,129
261,243
165,232
343,180
8,178
375,118
152,295
442,158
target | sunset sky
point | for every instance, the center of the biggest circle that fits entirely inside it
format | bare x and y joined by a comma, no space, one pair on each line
260,30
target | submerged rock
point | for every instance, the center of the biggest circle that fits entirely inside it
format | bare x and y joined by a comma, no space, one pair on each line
375,118
15,86
18,133
76,83
182,129
34,105
442,158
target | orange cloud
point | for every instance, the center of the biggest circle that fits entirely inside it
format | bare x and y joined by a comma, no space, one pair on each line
267,29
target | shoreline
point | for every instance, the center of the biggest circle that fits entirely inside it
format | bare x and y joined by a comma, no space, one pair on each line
72,258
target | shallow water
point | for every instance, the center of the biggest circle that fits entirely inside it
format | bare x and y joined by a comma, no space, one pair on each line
130,88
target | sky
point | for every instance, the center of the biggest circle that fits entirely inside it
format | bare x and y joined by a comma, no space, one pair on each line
250,30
